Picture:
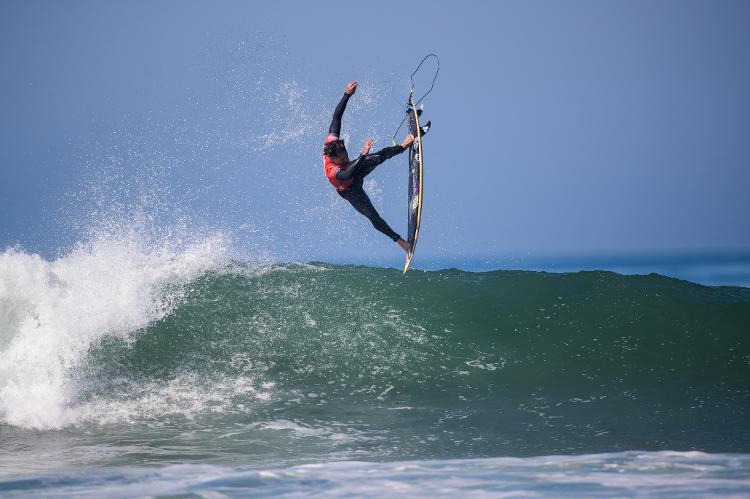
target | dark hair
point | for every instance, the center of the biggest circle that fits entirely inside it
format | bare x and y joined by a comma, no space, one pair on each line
333,148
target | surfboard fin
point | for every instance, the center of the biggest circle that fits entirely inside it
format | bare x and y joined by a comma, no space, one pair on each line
426,128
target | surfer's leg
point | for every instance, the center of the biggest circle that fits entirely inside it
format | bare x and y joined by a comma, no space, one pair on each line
358,198
373,160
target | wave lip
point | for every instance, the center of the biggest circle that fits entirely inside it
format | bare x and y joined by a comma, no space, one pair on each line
51,312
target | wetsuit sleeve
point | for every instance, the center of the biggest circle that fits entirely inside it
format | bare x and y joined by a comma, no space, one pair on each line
351,170
335,127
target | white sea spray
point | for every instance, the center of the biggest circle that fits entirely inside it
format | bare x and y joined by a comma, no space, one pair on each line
52,311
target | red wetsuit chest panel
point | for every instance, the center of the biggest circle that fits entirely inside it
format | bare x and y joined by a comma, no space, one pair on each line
331,168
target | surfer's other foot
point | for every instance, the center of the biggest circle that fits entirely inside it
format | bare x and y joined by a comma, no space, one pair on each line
404,245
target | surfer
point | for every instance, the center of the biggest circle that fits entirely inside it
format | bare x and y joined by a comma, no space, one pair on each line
347,176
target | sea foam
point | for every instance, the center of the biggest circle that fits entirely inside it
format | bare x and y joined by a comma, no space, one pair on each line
51,312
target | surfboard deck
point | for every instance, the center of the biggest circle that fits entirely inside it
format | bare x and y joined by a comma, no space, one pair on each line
416,169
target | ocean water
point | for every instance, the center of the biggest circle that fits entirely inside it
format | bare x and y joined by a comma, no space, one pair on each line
710,269
174,370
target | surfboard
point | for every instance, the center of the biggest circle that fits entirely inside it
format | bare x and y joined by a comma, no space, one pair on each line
416,168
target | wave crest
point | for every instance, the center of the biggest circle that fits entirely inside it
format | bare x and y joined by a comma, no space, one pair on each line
53,311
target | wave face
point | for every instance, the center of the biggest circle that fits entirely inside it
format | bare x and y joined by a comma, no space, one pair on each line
294,362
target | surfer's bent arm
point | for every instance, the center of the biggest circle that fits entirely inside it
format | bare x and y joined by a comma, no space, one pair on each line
352,169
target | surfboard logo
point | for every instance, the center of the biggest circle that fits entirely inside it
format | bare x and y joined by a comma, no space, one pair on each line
415,202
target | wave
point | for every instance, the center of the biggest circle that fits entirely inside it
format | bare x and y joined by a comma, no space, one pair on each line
439,363
52,312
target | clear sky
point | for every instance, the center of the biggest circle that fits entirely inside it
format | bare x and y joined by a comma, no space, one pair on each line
559,127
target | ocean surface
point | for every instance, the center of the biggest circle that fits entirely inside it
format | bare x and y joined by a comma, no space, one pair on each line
134,370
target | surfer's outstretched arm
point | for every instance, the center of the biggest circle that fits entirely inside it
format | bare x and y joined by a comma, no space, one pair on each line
338,113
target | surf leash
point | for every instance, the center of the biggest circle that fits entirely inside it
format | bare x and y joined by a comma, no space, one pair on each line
411,90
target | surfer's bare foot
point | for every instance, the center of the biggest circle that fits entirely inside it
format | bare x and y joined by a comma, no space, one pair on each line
404,245
407,141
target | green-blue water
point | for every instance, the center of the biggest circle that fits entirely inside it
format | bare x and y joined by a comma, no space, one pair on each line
501,363
246,368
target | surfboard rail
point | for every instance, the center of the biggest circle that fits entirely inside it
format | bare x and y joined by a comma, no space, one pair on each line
416,184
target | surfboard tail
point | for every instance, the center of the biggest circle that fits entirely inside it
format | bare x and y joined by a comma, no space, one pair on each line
408,261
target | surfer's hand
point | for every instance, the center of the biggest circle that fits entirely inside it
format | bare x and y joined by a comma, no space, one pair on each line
368,144
351,88
407,141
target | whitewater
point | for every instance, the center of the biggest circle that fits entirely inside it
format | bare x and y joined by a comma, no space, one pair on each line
134,367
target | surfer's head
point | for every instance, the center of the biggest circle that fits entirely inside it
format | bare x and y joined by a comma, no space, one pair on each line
336,151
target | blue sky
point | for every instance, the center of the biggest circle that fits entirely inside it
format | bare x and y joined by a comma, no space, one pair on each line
559,127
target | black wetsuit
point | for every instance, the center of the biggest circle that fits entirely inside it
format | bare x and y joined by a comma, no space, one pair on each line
357,170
